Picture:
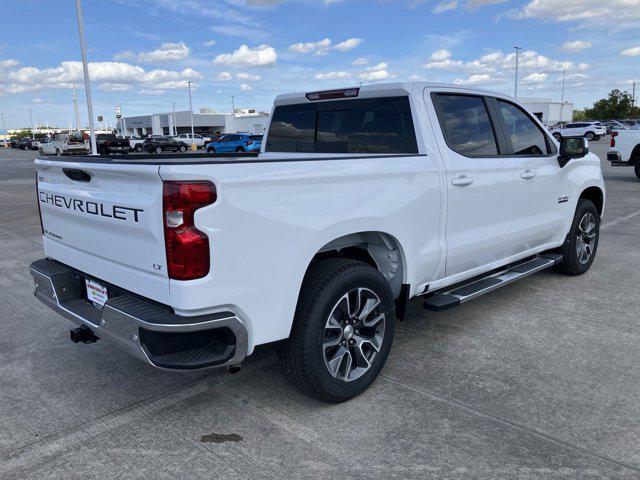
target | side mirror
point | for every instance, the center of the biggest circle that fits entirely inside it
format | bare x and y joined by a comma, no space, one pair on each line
572,147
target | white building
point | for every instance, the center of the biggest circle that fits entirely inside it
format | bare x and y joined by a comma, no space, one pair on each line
206,122
548,111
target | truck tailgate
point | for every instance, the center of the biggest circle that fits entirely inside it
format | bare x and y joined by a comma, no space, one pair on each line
105,219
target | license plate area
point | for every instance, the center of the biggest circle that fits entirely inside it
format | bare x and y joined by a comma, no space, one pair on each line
97,294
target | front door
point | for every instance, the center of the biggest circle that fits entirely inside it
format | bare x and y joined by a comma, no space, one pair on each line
482,185
543,190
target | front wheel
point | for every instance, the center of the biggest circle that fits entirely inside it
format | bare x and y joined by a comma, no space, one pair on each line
211,151
158,150
183,148
580,246
239,150
590,136
138,148
637,170
342,331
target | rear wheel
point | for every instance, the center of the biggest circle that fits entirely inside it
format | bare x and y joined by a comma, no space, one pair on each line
342,331
158,150
138,148
57,152
590,136
239,150
637,170
211,151
183,148
580,246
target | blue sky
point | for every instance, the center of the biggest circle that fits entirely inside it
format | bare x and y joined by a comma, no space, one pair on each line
142,51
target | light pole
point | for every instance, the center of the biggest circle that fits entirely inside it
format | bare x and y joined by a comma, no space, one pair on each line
517,64
564,73
2,115
31,120
75,105
87,86
233,104
175,127
193,140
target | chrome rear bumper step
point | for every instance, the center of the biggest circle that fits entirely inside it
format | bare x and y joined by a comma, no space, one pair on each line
463,293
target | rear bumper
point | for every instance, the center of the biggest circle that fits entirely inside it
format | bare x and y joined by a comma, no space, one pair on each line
616,159
147,330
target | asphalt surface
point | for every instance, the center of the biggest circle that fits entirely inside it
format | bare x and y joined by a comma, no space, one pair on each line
537,380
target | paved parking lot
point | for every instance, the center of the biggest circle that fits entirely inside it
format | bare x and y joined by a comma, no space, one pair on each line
537,380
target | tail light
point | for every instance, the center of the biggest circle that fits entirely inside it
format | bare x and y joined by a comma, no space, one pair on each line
187,247
613,139
38,203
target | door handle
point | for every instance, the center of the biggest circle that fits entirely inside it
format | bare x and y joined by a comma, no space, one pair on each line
462,181
527,174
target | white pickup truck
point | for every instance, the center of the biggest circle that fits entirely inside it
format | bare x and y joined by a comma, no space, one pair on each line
360,199
65,144
625,150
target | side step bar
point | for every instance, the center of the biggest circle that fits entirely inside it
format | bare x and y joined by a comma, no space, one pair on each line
461,294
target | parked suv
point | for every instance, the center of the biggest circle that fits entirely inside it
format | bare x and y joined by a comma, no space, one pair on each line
199,140
589,130
235,142
163,144
360,200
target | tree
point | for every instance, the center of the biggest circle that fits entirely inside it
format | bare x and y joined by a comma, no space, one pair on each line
617,105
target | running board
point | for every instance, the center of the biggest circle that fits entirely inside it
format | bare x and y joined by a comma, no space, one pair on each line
461,294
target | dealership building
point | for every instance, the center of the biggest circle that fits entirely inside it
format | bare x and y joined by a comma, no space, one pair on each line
206,122
548,111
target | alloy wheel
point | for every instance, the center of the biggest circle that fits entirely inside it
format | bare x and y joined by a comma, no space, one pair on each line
353,334
586,239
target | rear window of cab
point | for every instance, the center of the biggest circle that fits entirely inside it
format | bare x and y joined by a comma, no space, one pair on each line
377,126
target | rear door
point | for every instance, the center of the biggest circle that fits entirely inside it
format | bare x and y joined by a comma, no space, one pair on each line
105,219
482,185
542,186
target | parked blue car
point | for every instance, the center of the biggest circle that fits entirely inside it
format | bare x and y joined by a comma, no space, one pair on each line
235,143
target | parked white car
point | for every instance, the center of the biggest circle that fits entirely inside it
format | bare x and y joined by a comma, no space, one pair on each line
135,143
361,199
625,150
589,130
65,144
187,138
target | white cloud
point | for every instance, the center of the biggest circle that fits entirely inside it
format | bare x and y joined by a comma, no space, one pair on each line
631,52
224,77
260,56
110,76
535,78
245,87
377,72
147,91
589,12
9,63
167,52
445,6
482,79
248,77
348,44
209,43
576,46
446,64
320,47
440,55
360,61
475,4
339,75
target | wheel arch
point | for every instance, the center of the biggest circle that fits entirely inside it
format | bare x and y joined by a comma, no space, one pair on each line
635,154
596,195
379,249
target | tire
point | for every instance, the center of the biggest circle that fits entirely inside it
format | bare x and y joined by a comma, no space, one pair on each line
40,151
211,151
580,247
57,152
557,136
239,150
183,149
636,169
158,150
590,136
138,148
321,334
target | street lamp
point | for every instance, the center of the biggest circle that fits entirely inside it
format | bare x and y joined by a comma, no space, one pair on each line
87,86
193,140
2,115
31,120
175,127
517,62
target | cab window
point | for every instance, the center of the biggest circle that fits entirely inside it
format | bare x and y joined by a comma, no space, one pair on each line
521,131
